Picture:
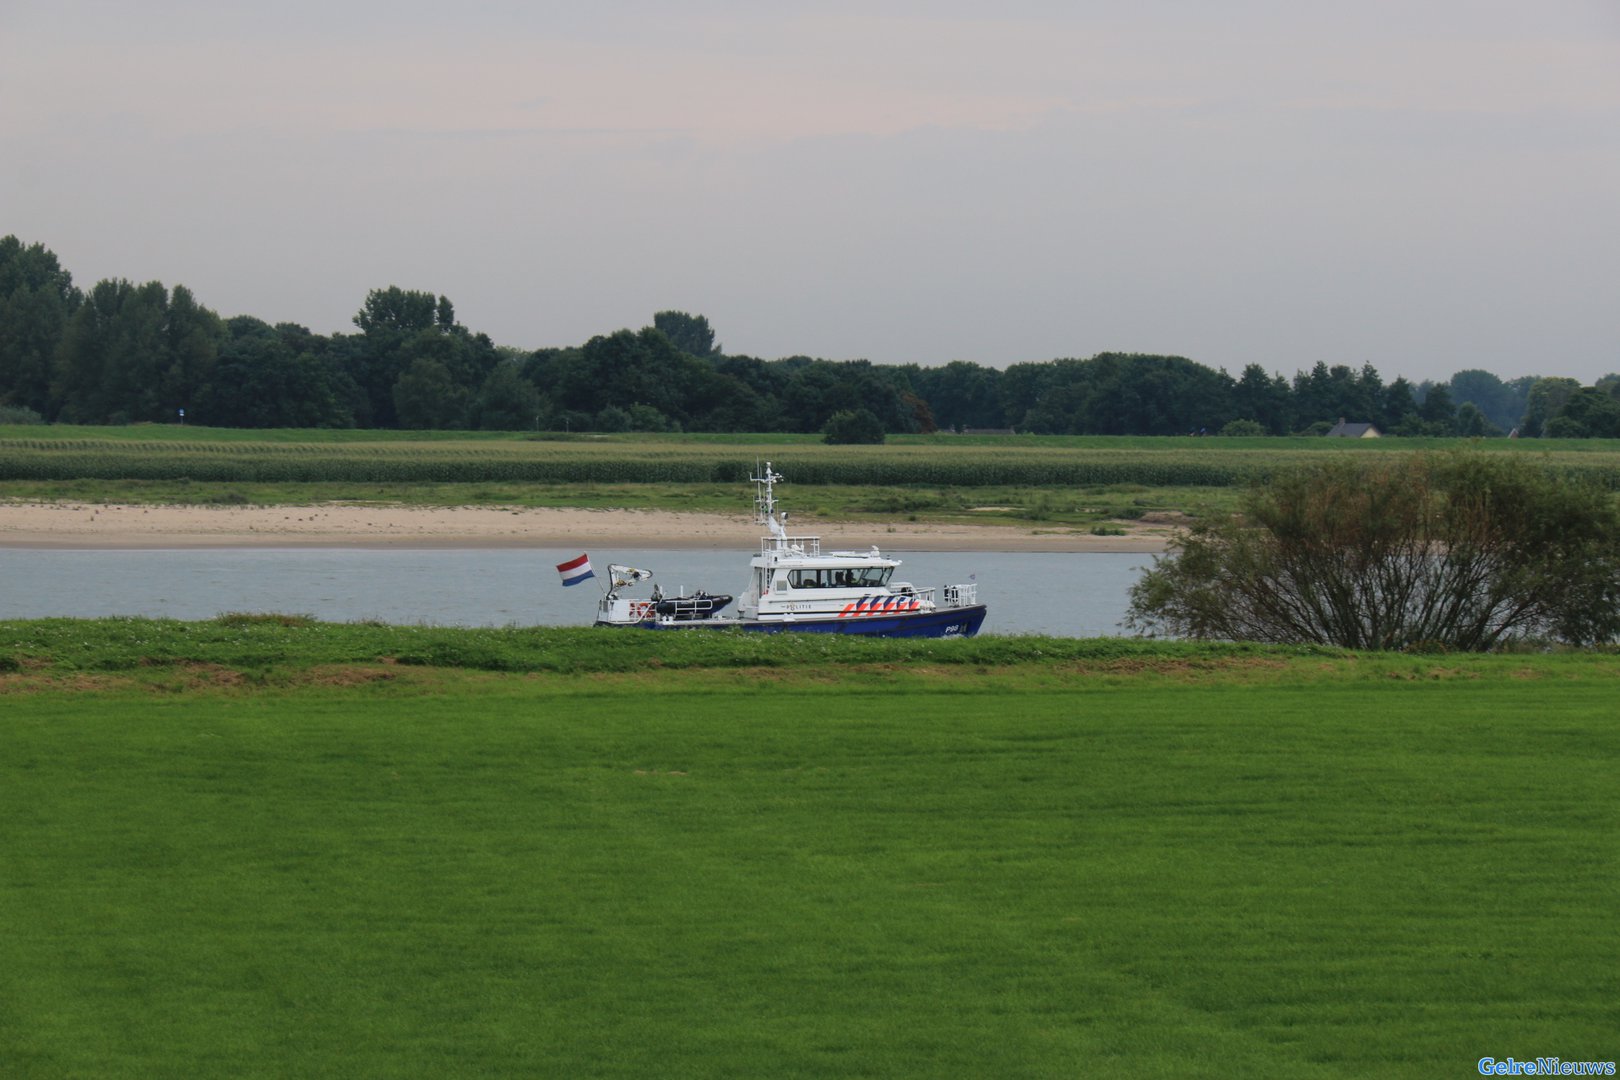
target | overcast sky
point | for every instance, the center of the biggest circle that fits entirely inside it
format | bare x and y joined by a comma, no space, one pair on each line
1426,185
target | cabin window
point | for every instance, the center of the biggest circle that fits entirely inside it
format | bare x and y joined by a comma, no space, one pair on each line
856,577
874,575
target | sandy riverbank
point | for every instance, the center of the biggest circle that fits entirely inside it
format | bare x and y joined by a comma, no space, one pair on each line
83,525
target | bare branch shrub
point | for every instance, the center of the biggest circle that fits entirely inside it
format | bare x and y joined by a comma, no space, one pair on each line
1460,551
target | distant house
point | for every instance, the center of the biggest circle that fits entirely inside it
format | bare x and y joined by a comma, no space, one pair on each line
1342,430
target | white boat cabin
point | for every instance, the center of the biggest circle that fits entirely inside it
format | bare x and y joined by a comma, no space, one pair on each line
791,580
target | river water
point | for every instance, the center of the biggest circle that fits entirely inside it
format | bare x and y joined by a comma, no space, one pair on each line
1064,595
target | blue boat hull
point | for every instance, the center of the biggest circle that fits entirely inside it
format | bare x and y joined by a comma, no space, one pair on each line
955,622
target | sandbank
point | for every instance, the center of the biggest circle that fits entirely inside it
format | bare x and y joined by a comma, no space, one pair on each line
97,525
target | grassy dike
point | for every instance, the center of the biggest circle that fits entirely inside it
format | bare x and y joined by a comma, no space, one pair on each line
267,847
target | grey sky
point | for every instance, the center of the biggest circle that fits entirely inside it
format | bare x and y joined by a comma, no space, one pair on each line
1425,185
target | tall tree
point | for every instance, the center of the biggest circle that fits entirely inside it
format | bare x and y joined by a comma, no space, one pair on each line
1437,409
1020,389
751,400
426,397
961,394
1545,400
1130,394
1327,394
194,335
37,298
401,327
626,368
1397,409
1262,398
1494,398
263,379
1590,413
1471,422
689,333
390,320
507,401
134,353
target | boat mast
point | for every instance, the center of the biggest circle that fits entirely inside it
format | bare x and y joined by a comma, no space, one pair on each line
765,502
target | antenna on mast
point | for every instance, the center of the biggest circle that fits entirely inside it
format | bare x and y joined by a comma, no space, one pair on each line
765,500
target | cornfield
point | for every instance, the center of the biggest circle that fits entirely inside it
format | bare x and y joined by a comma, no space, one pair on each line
666,462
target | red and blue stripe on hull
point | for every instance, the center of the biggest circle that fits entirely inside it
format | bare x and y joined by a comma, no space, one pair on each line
952,622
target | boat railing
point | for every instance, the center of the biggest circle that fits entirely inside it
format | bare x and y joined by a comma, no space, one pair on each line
961,595
802,545
700,602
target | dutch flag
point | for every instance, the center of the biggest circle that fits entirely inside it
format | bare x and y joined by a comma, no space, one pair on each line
575,571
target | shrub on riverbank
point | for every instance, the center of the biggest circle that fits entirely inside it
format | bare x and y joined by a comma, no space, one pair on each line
1451,551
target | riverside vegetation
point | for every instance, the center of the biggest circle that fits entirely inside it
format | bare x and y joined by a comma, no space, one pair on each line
1058,479
263,846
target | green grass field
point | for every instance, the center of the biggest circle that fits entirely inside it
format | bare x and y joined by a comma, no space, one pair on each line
258,847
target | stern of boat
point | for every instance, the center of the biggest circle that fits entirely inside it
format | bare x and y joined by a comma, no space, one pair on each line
620,611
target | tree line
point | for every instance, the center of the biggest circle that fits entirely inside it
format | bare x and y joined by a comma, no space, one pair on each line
126,353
